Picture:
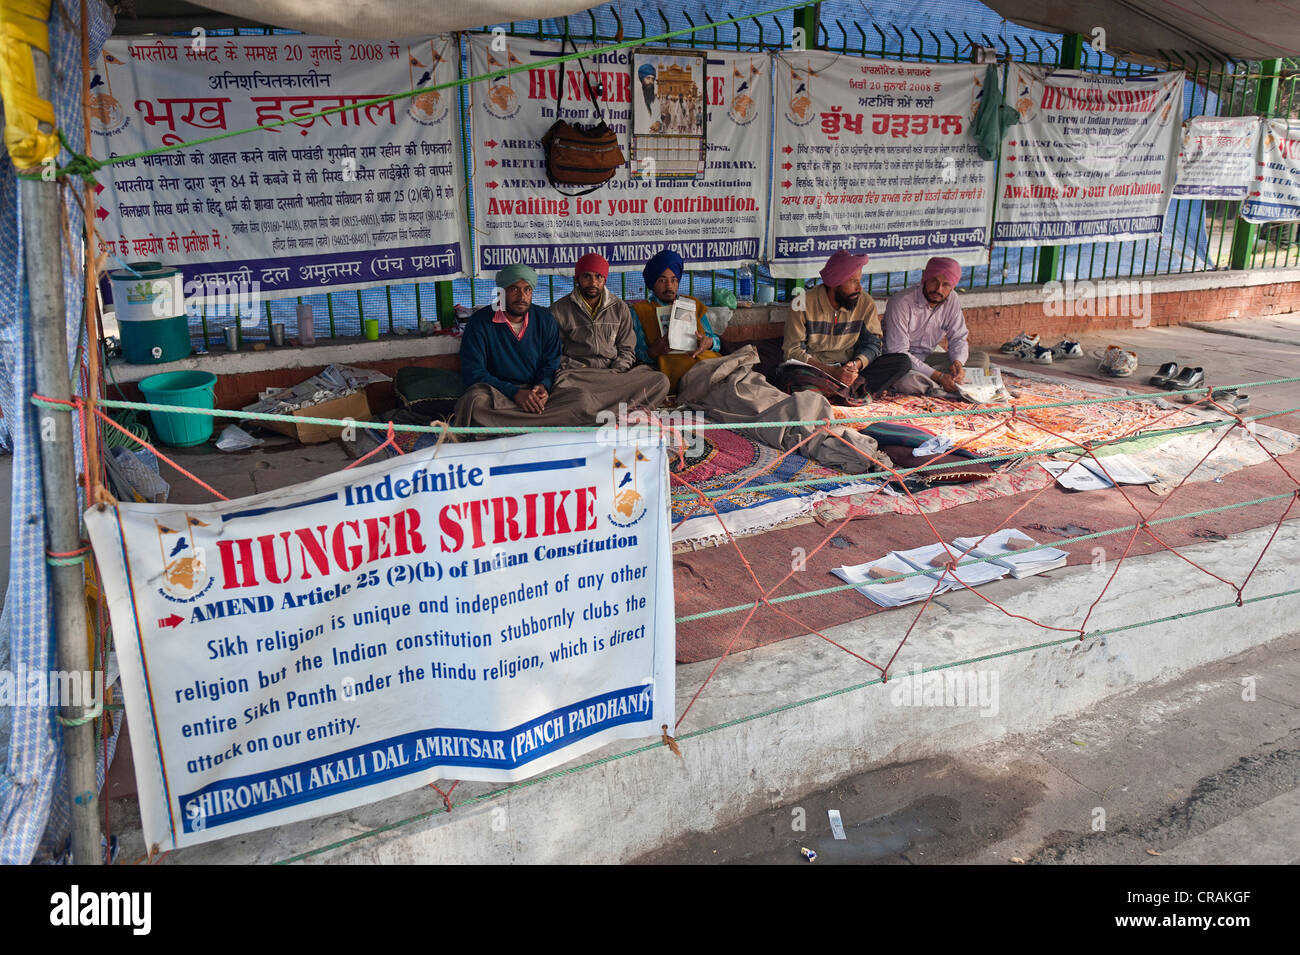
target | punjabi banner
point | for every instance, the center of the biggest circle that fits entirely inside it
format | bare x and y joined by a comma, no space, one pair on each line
877,156
709,204
364,196
1218,157
1093,158
481,611
1276,193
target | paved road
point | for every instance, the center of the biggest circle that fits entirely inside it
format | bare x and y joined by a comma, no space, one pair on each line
1202,770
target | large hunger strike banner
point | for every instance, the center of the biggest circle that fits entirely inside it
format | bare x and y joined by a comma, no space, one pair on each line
877,156
364,196
1275,192
480,611
1093,158
698,185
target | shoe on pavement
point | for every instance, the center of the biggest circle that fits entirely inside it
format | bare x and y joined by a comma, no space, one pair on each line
1118,362
1023,340
1067,349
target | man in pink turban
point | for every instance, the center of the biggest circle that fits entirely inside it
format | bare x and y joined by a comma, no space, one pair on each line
833,345
918,319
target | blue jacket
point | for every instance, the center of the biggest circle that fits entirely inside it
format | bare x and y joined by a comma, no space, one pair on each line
490,353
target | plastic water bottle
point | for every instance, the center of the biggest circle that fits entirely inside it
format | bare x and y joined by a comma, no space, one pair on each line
745,283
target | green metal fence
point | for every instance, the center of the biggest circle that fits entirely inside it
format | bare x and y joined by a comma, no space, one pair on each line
1213,88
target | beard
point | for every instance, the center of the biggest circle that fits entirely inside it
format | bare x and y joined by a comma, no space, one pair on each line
848,301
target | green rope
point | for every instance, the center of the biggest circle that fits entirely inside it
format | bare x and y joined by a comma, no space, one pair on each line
759,715
65,561
961,463
80,163
589,429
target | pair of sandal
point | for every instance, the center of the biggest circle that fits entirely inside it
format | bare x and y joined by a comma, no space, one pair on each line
1228,398
1169,377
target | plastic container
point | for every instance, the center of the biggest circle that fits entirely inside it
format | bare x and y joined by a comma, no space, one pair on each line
188,389
745,284
158,291
371,329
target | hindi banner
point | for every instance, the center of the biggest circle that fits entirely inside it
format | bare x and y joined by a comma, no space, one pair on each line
1093,158
364,196
877,156
477,611
1218,156
709,204
1275,196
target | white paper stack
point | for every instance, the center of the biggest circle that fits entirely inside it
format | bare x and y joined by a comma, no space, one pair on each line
972,576
1085,474
1020,563
894,594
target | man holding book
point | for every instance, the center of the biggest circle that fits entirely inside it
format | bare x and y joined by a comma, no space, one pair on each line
730,389
834,344
665,307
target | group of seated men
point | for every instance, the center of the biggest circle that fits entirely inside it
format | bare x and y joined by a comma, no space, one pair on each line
523,364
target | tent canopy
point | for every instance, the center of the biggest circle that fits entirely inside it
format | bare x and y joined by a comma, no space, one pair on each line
1222,29
381,19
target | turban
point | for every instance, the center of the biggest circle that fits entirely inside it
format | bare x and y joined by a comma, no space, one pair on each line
841,267
646,69
592,262
513,273
661,263
943,268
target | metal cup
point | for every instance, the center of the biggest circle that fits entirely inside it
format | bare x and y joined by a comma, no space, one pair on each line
277,333
232,338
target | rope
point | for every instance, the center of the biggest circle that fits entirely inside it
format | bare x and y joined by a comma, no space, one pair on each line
86,166
67,558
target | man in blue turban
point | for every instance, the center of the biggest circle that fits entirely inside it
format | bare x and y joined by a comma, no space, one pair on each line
662,276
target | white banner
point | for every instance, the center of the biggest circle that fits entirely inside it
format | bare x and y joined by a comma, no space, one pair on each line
482,611
1218,156
1093,158
1276,196
876,156
713,214
365,196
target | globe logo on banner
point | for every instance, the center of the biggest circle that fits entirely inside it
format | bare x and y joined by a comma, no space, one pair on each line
629,505
741,108
106,114
429,108
799,110
184,566
502,100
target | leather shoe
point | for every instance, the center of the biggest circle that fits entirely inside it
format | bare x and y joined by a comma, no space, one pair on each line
1164,374
1188,378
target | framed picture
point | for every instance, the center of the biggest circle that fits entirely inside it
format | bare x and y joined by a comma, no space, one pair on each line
669,113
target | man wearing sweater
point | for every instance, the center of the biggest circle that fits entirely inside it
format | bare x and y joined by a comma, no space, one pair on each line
918,319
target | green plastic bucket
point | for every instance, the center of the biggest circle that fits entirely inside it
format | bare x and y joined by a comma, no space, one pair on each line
189,389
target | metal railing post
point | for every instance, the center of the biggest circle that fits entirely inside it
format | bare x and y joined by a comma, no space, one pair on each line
1050,257
1244,234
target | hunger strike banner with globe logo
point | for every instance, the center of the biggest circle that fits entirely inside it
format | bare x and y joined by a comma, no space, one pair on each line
479,611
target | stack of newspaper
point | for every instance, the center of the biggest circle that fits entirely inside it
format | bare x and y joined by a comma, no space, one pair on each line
928,559
1007,548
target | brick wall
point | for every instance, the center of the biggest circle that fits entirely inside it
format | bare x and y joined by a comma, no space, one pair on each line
991,325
